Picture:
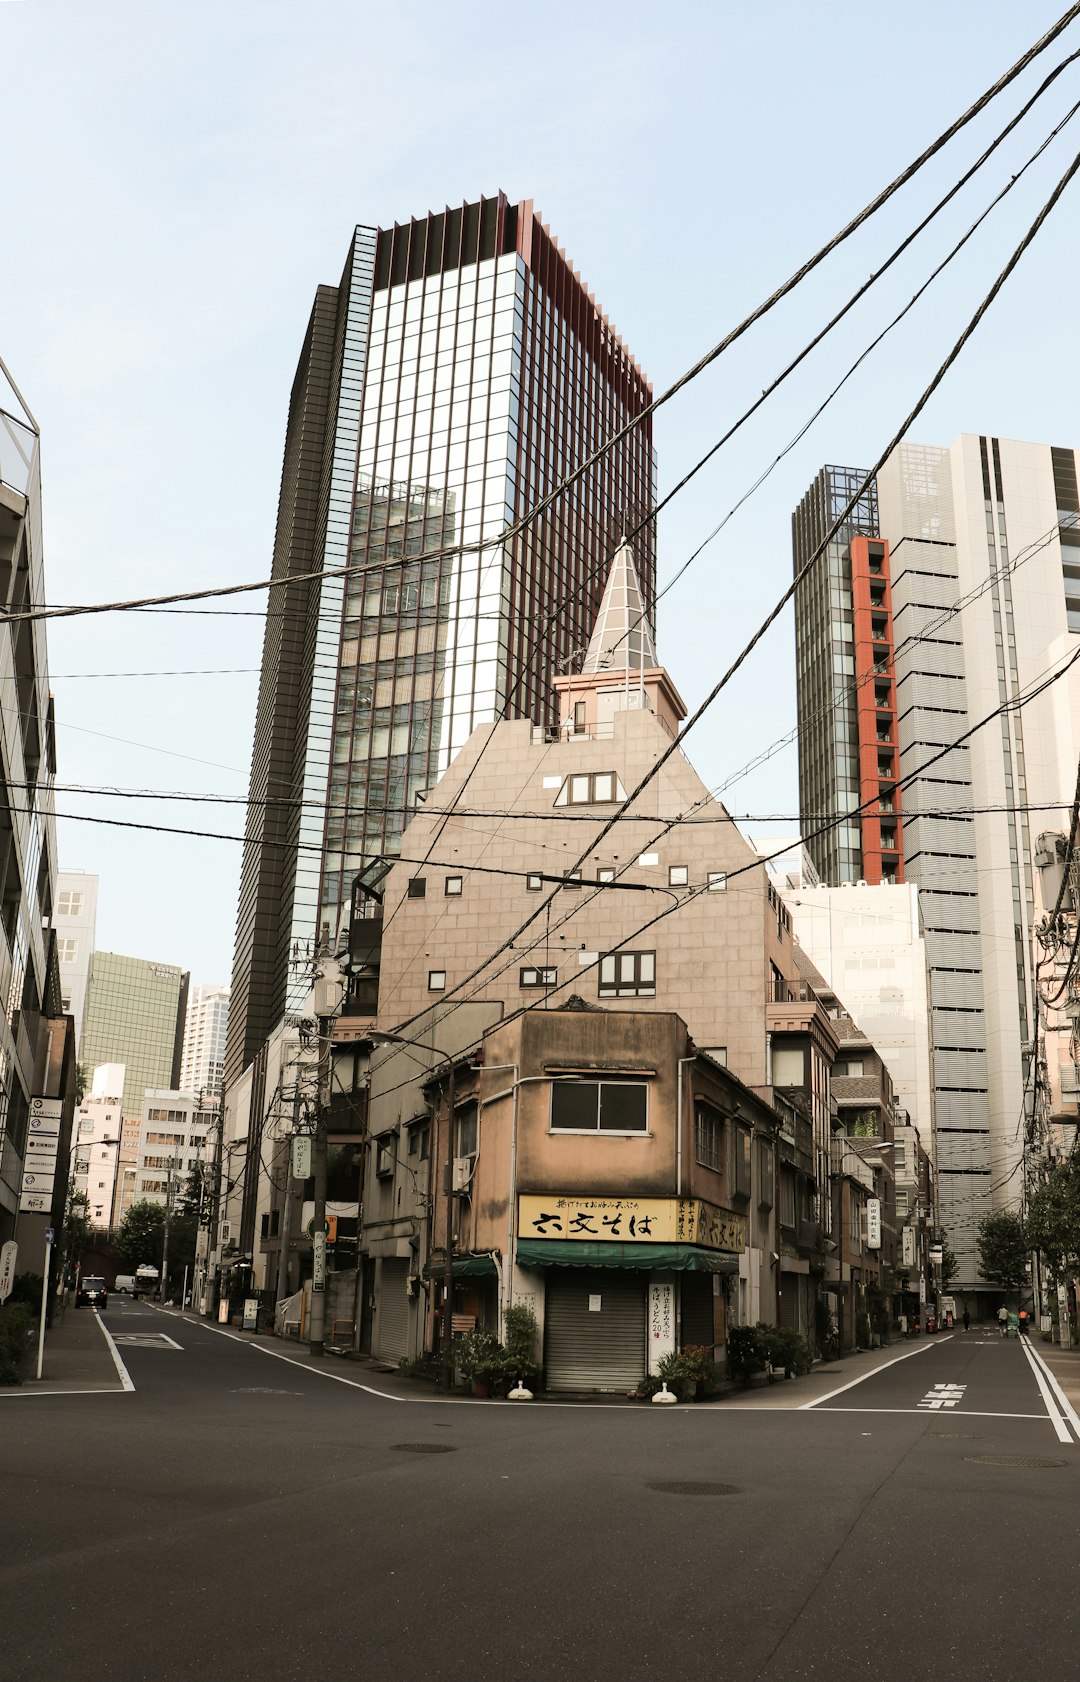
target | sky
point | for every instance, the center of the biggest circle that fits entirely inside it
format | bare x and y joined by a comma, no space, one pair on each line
178,180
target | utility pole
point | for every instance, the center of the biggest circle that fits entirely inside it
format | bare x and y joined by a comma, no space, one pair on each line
165,1236
286,1213
448,1270
328,998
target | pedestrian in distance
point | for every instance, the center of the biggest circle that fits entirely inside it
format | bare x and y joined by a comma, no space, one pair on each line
1003,1319
1024,1322
967,1320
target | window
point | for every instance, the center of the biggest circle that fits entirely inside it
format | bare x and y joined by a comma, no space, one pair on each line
534,882
850,1070
606,873
384,1156
572,879
599,1106
717,881
678,876
436,980
788,1065
67,951
742,1161
579,715
709,1137
466,1131
453,886
69,904
417,887
589,788
628,975
420,1141
532,977
902,1203
766,1174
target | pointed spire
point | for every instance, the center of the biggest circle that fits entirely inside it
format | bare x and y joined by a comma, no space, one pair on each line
622,637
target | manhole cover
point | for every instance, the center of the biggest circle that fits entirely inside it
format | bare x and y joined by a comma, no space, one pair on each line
424,1448
694,1488
1011,1460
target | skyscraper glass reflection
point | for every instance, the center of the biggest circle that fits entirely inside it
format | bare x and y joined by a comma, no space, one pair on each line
458,374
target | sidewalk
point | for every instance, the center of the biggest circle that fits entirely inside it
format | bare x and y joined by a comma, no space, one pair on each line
77,1358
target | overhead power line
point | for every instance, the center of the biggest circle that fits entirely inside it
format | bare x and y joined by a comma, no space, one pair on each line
539,508
676,745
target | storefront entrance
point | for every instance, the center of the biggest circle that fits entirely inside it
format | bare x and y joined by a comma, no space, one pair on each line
594,1329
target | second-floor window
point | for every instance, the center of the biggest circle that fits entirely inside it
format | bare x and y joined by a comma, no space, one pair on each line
628,975
709,1137
538,977
599,1106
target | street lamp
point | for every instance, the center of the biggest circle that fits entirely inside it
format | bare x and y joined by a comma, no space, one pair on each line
377,1037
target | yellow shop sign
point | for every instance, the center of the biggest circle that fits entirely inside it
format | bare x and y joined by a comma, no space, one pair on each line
631,1220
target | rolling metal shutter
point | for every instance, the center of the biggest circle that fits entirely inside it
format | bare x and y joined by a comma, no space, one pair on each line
589,1350
392,1318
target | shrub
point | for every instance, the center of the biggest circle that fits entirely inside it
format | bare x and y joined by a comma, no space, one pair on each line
783,1347
15,1323
743,1352
476,1353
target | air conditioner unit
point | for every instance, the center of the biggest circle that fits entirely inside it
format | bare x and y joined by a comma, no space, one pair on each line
463,1170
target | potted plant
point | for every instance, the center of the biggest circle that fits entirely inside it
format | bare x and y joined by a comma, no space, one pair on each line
517,1359
476,1356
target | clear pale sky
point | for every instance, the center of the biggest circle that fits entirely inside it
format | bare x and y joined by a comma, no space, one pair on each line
178,180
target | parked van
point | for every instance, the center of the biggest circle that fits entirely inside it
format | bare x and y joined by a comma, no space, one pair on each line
125,1284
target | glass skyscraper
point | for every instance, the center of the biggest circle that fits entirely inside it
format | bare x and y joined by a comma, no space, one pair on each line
457,374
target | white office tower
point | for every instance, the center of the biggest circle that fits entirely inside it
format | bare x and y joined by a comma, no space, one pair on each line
173,1142
98,1139
204,1040
868,944
994,526
75,922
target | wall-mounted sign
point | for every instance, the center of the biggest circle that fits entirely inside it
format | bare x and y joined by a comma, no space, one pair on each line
661,1324
631,1220
873,1223
909,1246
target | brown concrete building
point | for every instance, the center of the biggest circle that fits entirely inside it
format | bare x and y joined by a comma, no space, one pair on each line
609,1174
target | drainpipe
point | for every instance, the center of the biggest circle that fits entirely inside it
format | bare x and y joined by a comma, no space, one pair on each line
511,1200
682,1064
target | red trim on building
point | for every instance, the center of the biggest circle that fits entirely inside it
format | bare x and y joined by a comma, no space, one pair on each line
875,678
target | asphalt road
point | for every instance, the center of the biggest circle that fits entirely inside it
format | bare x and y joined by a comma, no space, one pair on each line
238,1516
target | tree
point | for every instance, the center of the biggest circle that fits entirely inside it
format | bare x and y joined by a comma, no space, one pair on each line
948,1267
76,1224
139,1239
1003,1248
1054,1219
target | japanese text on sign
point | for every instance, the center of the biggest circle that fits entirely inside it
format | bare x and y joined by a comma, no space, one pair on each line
632,1220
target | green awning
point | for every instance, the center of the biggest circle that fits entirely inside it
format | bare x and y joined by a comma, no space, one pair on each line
465,1267
656,1258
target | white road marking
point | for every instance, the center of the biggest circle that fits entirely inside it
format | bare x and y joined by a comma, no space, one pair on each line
969,1413
1049,1400
125,1376
923,1347
943,1396
147,1340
